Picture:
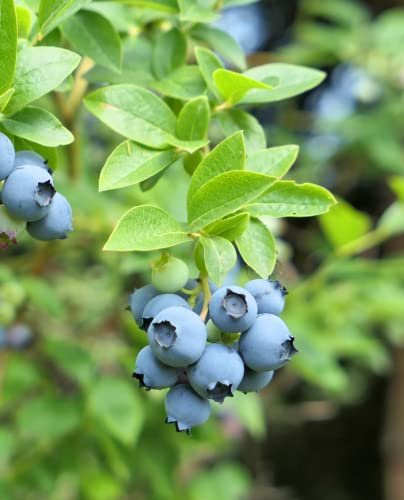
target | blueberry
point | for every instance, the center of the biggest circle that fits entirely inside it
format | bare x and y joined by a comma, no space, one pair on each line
169,274
138,300
267,345
254,381
7,155
24,158
177,336
55,224
159,303
232,309
269,295
185,408
152,373
28,193
218,372
19,336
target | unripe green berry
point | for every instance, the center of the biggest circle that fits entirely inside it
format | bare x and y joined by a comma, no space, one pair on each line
169,274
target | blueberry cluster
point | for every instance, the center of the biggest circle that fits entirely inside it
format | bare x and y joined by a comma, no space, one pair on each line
29,194
180,356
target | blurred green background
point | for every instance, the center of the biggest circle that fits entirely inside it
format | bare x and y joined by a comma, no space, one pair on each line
74,425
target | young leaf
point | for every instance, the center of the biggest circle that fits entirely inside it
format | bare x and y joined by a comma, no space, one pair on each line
183,83
192,11
228,155
220,42
130,163
234,86
230,228
273,161
219,256
38,125
94,36
133,112
39,70
225,194
146,228
8,43
193,119
232,120
24,21
169,52
257,248
293,80
208,63
159,6
5,98
53,12
288,199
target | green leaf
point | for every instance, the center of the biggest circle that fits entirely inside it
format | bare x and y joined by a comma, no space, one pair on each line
38,125
115,404
230,228
169,52
39,70
183,83
392,220
288,199
95,37
193,119
220,42
135,113
234,86
273,161
8,43
146,228
208,63
228,155
343,223
161,6
130,163
225,194
53,12
397,185
257,248
192,11
219,256
293,80
5,98
232,120
24,21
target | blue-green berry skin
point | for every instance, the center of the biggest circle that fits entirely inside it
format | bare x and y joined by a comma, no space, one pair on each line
267,345
232,309
138,300
177,336
152,373
161,302
255,381
7,156
269,295
218,372
185,408
56,224
24,158
28,193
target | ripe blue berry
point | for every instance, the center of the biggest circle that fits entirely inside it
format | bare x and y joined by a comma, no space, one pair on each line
185,408
218,372
170,274
267,345
7,155
159,303
28,193
24,158
55,224
177,336
254,381
19,336
138,300
232,309
269,295
153,374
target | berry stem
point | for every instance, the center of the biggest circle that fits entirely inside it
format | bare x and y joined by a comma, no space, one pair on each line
206,297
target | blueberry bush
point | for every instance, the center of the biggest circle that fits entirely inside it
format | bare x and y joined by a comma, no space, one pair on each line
161,109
